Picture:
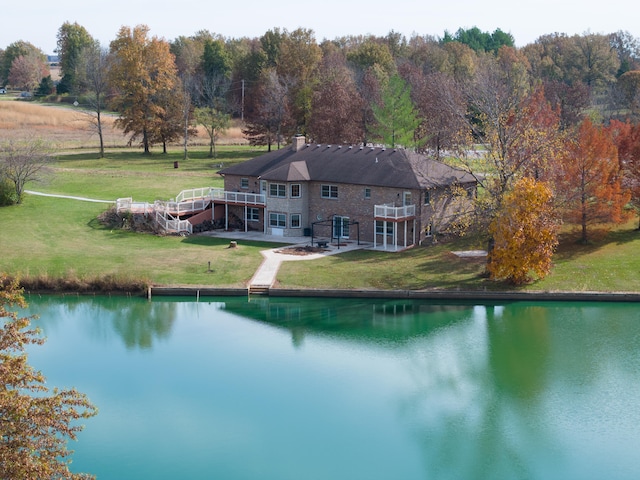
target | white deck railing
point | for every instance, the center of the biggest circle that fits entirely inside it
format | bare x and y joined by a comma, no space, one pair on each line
187,201
128,205
194,193
184,207
170,224
238,197
395,213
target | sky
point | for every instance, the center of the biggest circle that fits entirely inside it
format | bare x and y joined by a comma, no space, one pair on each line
38,21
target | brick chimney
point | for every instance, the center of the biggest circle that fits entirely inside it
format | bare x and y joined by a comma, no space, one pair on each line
298,142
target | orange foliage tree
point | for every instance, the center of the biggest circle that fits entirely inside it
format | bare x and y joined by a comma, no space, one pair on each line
35,422
589,179
627,139
524,233
142,71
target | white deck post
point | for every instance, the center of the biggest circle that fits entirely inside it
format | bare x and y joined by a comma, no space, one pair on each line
384,235
395,236
414,232
405,233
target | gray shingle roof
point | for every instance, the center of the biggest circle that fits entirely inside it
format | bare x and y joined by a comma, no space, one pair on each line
373,166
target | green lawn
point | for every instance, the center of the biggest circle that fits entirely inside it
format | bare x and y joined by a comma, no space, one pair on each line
610,264
53,238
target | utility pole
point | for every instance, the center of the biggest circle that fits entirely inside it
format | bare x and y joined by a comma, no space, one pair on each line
242,108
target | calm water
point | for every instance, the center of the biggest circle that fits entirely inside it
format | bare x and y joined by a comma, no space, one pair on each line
336,389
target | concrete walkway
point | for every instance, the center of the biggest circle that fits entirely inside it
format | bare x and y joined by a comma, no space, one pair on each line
83,199
265,276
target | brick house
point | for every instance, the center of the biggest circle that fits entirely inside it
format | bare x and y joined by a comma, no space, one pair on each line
393,198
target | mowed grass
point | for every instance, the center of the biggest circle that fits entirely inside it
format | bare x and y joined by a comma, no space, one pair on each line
128,173
609,264
52,238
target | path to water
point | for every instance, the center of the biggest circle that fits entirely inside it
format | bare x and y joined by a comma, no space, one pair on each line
31,192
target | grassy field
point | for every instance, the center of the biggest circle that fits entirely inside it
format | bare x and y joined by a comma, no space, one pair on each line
53,240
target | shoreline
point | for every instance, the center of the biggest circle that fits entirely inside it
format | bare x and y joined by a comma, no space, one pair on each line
198,292
449,295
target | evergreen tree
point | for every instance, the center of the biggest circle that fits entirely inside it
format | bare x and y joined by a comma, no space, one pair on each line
396,117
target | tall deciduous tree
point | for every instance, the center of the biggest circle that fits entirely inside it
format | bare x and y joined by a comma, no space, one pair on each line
72,40
215,123
397,119
170,126
298,60
591,60
13,51
142,71
94,63
628,88
590,179
27,71
371,53
215,60
439,100
524,233
627,139
336,104
35,422
271,117
517,127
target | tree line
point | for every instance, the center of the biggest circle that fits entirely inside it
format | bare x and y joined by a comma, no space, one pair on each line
562,110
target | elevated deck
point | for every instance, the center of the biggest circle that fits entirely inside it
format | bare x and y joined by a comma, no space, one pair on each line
391,213
188,202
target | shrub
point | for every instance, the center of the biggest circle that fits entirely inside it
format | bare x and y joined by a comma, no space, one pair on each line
7,193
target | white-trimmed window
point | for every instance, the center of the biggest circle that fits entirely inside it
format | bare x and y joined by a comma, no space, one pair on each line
406,199
427,197
329,191
295,220
367,192
253,214
380,227
295,190
278,190
244,183
428,231
278,220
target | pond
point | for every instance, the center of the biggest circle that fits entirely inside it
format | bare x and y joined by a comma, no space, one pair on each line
276,388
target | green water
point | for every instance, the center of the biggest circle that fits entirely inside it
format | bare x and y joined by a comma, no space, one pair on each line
337,389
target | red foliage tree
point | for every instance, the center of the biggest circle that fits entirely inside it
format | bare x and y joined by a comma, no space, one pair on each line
590,179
